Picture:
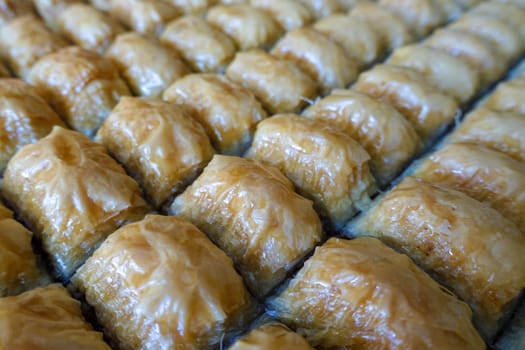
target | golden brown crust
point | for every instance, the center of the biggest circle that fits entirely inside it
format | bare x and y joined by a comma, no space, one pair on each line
88,27
251,211
361,294
322,59
250,27
325,165
148,66
280,85
290,14
24,40
509,96
469,247
51,185
448,73
25,117
206,48
10,9
46,318
271,336
426,107
384,133
161,284
489,176
158,143
228,111
80,85
50,10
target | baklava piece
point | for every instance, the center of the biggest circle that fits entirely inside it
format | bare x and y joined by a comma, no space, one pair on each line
24,40
489,176
509,96
422,16
50,10
250,27
88,27
160,283
511,14
428,109
25,117
192,6
323,8
325,165
281,86
20,269
325,61
251,211
384,133
498,32
497,130
290,14
10,9
81,86
72,194
46,318
271,336
466,245
362,294
358,39
228,111
204,47
148,66
158,144
391,29
448,73
472,49
147,17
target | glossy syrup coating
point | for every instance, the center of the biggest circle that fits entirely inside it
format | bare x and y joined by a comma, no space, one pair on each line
425,106
147,65
160,283
46,318
50,10
501,131
250,27
251,211
325,165
202,45
228,111
384,133
325,61
271,336
360,294
509,96
281,86
489,176
290,14
50,183
82,86
512,15
466,245
448,73
158,143
25,117
88,27
25,40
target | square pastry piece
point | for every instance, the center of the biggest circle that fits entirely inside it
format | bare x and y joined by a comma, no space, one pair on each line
46,318
72,194
271,336
158,143
251,211
360,294
160,283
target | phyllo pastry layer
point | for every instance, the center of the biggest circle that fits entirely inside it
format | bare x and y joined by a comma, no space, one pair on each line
271,336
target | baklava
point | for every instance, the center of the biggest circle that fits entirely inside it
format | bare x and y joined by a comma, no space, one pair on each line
466,245
25,118
192,6
428,109
158,143
509,96
82,86
46,318
271,336
10,9
251,211
104,5
290,14
148,66
325,165
160,283
322,8
281,86
384,133
362,294
228,111
511,14
50,10
72,194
